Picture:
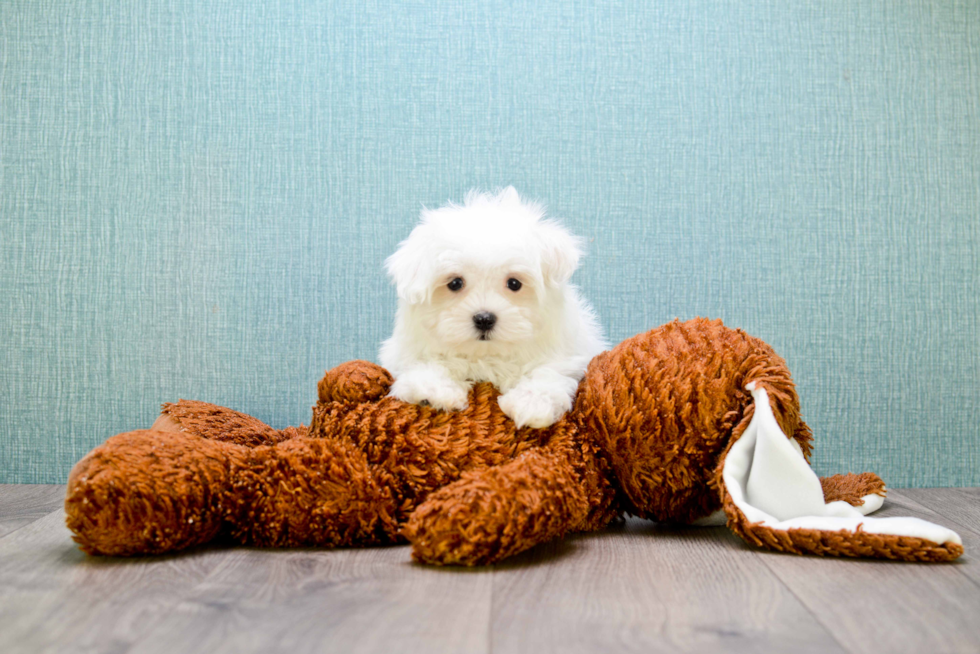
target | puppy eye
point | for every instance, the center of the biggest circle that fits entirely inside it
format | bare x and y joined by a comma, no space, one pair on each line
455,284
514,284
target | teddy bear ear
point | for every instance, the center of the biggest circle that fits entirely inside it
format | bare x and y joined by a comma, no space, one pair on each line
560,252
411,268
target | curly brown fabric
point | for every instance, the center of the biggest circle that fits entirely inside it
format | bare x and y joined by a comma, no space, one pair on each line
358,475
220,424
651,425
663,406
492,513
838,543
851,488
192,490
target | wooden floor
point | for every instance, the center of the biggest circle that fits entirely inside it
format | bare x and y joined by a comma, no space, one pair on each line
640,587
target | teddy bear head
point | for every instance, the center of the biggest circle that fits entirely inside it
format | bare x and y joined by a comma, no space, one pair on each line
663,407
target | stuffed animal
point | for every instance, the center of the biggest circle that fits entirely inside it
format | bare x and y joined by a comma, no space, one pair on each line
691,422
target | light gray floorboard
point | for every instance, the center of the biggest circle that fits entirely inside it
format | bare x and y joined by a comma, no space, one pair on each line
22,504
649,588
366,600
959,504
54,598
639,587
891,606
955,509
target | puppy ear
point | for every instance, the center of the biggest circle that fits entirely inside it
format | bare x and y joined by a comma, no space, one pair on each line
411,268
560,252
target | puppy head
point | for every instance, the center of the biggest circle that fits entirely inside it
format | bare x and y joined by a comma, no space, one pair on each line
485,271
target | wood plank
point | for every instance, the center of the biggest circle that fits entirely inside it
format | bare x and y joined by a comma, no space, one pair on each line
959,504
367,600
638,587
54,598
650,588
954,509
22,504
890,606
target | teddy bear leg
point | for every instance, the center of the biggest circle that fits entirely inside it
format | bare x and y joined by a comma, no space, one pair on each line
311,492
146,492
490,514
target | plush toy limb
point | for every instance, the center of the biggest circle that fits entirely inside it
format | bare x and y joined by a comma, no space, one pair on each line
218,423
773,499
147,492
865,491
497,512
165,423
150,492
354,382
312,492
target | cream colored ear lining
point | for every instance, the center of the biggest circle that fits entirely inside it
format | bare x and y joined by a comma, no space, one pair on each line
770,482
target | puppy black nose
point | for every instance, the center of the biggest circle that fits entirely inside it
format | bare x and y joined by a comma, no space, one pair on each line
484,321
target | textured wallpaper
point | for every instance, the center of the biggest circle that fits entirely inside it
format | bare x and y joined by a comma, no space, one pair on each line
196,197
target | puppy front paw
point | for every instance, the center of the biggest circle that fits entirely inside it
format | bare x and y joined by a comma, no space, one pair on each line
430,387
535,405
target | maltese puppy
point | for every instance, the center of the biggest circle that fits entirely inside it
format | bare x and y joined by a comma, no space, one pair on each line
483,295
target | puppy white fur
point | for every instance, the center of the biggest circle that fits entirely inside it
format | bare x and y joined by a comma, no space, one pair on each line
483,295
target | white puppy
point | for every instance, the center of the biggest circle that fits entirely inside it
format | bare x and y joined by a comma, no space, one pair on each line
483,295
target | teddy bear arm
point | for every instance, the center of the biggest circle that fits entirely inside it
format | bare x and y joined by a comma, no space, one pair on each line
493,513
354,382
218,423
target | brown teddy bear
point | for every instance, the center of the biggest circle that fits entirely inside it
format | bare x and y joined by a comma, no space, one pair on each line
687,423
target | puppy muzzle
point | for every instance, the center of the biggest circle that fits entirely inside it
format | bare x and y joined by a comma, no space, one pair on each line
484,322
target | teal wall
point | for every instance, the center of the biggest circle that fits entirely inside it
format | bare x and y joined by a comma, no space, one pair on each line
196,197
